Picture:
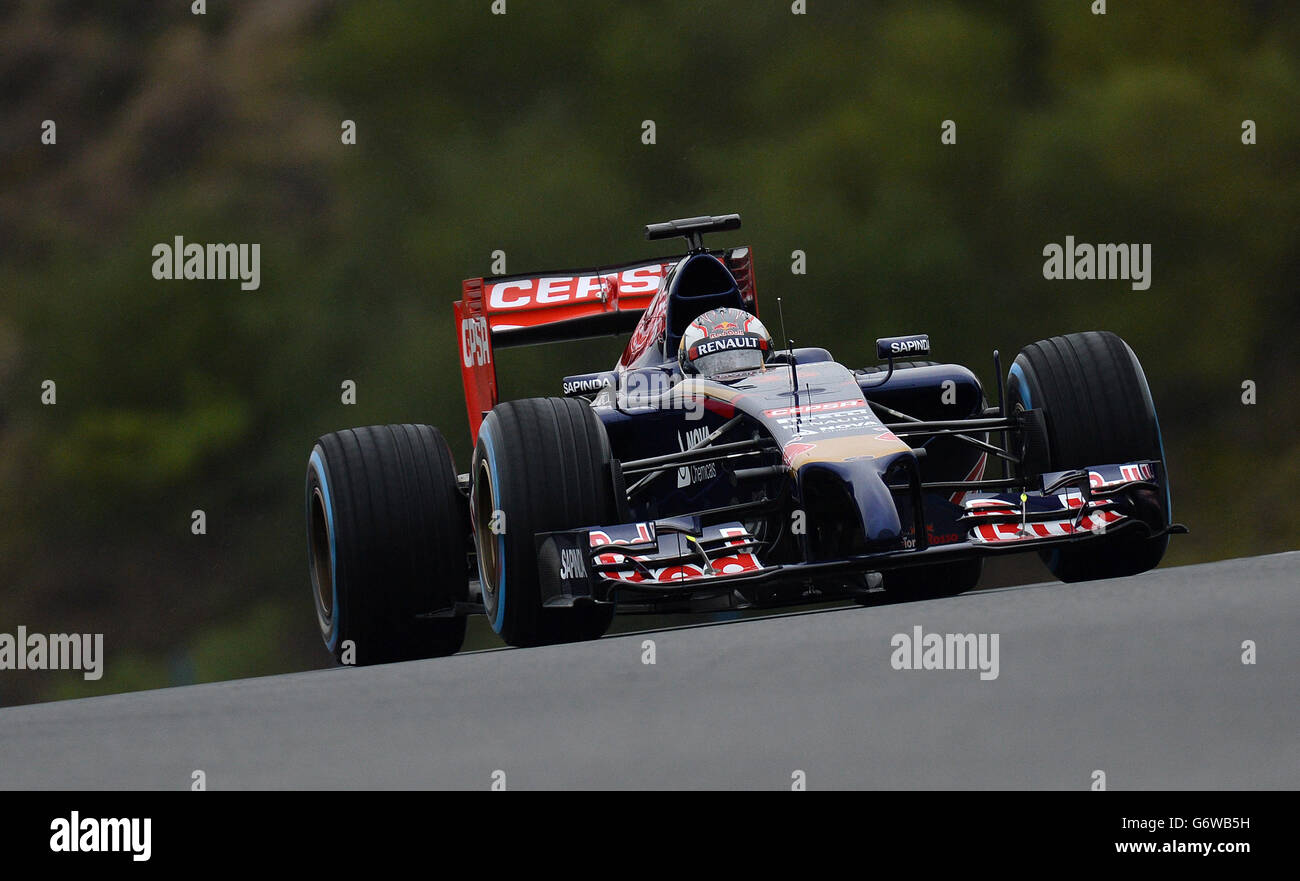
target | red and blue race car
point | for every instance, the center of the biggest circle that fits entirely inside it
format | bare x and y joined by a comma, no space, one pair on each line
715,468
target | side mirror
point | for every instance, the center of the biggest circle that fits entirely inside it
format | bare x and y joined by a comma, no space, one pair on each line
584,384
891,347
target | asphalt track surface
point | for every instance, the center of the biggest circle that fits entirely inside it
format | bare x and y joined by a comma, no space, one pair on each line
1140,677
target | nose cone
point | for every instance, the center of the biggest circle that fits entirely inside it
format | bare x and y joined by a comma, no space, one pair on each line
875,443
849,506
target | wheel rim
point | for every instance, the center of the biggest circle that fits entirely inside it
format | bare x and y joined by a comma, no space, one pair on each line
489,566
321,568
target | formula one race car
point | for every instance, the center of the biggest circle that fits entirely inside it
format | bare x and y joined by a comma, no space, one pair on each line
713,469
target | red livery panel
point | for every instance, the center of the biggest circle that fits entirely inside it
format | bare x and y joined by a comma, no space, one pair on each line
565,305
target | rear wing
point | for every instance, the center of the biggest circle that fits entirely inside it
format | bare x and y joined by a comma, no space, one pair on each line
559,305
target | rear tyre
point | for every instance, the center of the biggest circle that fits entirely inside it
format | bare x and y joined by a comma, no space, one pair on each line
540,465
387,538
1098,410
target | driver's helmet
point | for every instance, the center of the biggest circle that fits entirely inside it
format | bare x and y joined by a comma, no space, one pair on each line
722,342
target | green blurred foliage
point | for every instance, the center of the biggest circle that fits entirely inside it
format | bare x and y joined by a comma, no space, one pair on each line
523,133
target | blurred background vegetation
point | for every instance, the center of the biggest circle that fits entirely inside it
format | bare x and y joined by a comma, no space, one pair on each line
522,132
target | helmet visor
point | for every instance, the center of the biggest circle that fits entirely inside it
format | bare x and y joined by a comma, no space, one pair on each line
729,361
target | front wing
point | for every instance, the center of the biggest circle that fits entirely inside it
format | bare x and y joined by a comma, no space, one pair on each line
656,562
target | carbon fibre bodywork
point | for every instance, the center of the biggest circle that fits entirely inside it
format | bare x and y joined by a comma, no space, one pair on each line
796,482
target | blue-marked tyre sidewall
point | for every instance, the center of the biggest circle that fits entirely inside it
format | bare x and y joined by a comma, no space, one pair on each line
540,465
387,544
322,550
1098,410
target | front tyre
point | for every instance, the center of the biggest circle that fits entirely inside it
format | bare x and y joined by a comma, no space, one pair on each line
540,465
387,538
1098,411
